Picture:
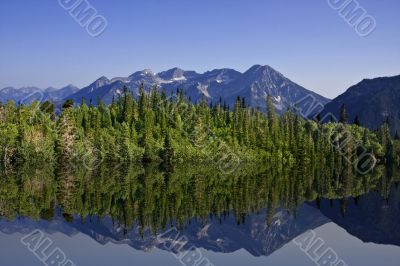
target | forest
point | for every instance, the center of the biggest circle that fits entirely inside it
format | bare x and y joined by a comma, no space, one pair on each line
170,129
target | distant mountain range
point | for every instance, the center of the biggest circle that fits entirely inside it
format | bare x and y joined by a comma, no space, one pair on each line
26,95
254,85
372,100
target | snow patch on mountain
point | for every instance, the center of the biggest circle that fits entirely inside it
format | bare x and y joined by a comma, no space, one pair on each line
254,85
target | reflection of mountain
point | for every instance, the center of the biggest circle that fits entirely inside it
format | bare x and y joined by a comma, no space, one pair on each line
226,236
370,218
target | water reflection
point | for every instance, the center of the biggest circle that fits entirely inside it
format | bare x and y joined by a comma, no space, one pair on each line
258,210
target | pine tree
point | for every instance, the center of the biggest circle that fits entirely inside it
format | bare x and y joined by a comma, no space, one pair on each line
271,111
69,103
318,118
357,121
130,129
127,106
142,103
84,110
48,108
167,152
125,142
344,117
386,141
243,105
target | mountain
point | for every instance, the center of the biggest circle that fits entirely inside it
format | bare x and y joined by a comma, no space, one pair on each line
60,94
177,74
26,95
226,84
255,84
372,100
259,81
224,236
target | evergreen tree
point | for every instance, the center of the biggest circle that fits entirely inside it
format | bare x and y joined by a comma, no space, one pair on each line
344,117
357,121
47,107
69,103
387,142
271,111
146,128
318,118
167,152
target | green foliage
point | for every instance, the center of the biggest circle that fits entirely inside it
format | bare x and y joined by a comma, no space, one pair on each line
68,104
153,128
8,140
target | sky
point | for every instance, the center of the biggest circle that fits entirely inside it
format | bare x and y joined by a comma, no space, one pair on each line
309,42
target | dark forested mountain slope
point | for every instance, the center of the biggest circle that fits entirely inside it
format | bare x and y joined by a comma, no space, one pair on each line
372,100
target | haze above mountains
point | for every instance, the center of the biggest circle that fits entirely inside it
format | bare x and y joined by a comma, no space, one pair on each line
372,100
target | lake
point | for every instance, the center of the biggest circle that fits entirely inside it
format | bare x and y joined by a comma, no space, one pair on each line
193,215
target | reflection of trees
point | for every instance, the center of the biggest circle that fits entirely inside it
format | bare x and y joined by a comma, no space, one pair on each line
153,198
28,192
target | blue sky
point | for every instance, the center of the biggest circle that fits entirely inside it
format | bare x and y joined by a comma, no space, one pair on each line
307,41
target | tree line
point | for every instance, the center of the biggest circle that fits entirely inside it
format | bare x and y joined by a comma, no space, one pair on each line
156,127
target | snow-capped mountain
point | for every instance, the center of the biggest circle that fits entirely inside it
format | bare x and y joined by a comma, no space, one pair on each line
255,84
177,74
260,81
26,95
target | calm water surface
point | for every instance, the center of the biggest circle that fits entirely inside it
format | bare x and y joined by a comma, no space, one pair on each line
150,217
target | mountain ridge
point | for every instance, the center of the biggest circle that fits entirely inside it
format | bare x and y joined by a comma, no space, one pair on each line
372,100
26,95
227,84
254,85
